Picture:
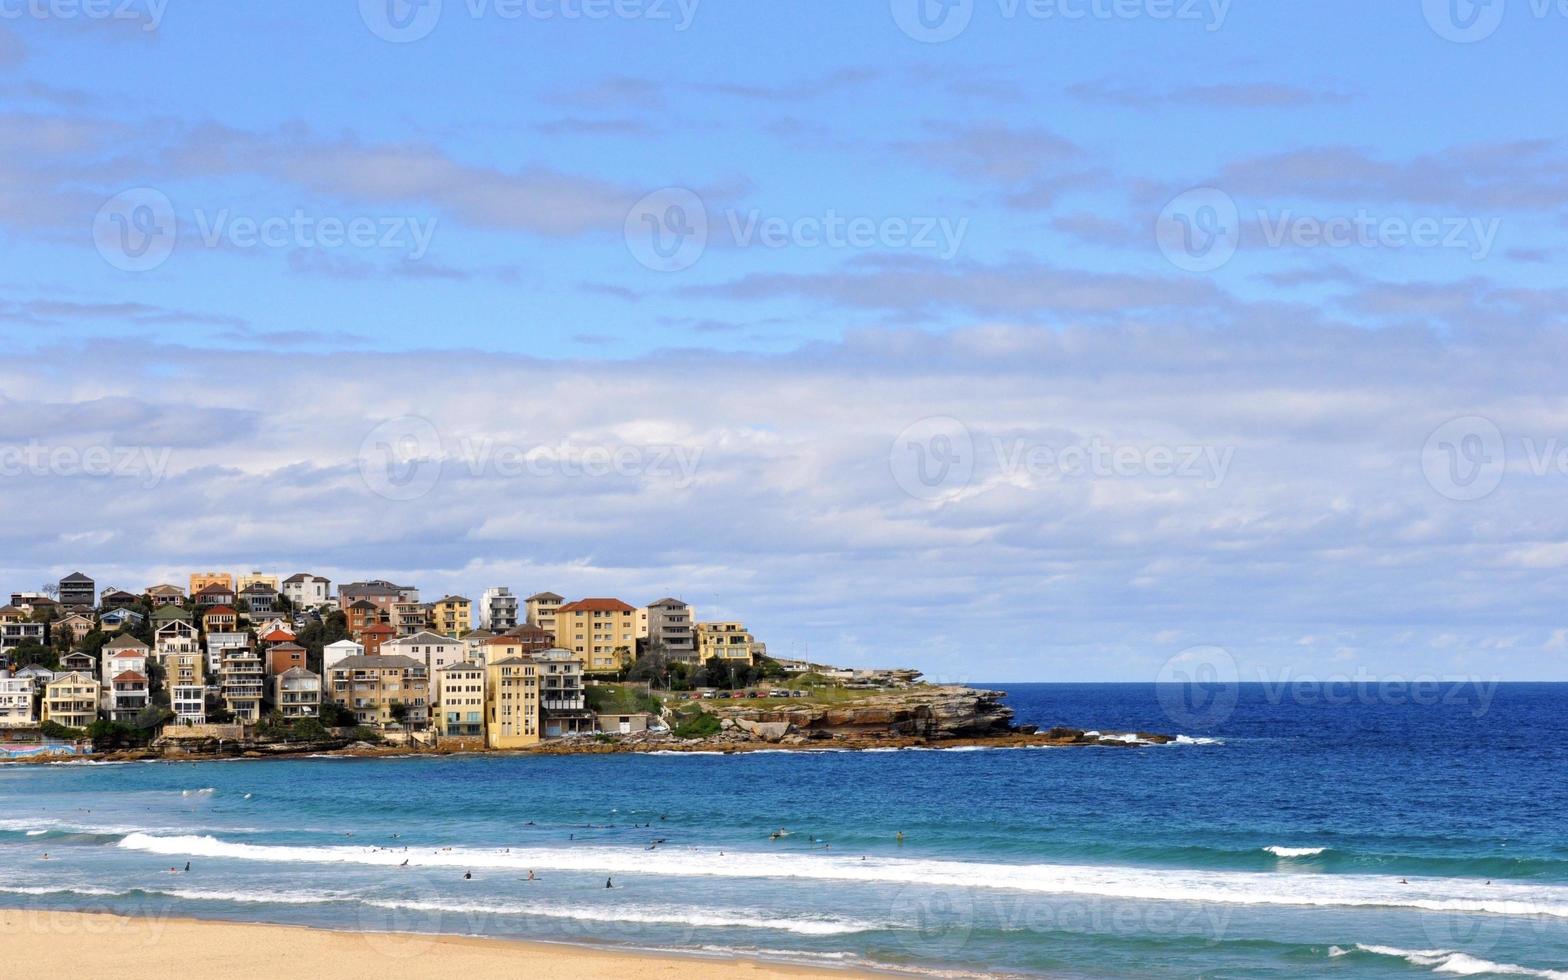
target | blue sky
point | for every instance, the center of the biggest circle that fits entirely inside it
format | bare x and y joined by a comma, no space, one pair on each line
988,237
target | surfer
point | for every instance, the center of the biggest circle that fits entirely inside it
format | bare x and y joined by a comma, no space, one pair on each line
608,883
187,867
468,876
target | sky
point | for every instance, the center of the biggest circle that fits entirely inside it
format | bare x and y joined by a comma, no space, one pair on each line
1007,339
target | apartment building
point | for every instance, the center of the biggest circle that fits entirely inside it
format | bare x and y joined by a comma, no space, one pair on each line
77,589
200,580
256,578
512,703
602,631
380,690
284,657
498,609
242,682
541,608
458,705
379,591
728,642
562,699
17,628
72,699
260,599
16,701
296,693
361,614
669,622
453,615
124,677
409,618
335,653
175,636
217,643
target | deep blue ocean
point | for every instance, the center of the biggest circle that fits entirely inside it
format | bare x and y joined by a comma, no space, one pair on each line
1371,831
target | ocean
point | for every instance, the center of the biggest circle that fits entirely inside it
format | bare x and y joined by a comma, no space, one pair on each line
1349,831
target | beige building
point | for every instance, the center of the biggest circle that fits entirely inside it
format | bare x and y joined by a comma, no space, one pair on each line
72,700
458,708
541,609
601,631
453,616
372,687
728,642
200,580
669,622
296,693
257,578
512,703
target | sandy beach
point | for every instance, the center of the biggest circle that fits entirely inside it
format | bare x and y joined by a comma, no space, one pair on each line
44,945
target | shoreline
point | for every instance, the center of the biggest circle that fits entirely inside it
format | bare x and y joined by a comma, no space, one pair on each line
54,943
1060,738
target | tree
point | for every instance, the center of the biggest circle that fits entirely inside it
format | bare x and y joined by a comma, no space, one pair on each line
399,712
30,653
653,666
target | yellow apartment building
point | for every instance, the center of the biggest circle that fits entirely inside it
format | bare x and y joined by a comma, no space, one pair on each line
452,616
459,706
512,703
372,687
72,700
603,632
200,580
728,642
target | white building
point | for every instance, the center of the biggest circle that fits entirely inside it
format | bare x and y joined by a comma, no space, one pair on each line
431,649
16,702
306,589
498,609
333,653
218,644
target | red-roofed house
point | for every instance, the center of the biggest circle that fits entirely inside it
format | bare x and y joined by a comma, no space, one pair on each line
220,619
215,594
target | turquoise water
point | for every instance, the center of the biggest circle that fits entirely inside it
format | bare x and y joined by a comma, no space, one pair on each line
1335,832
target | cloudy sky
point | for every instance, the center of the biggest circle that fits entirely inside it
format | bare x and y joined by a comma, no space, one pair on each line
1010,339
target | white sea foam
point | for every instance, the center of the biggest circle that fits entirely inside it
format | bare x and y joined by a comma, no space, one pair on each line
643,914
37,833
58,890
1230,887
1294,852
1190,740
204,791
1451,961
